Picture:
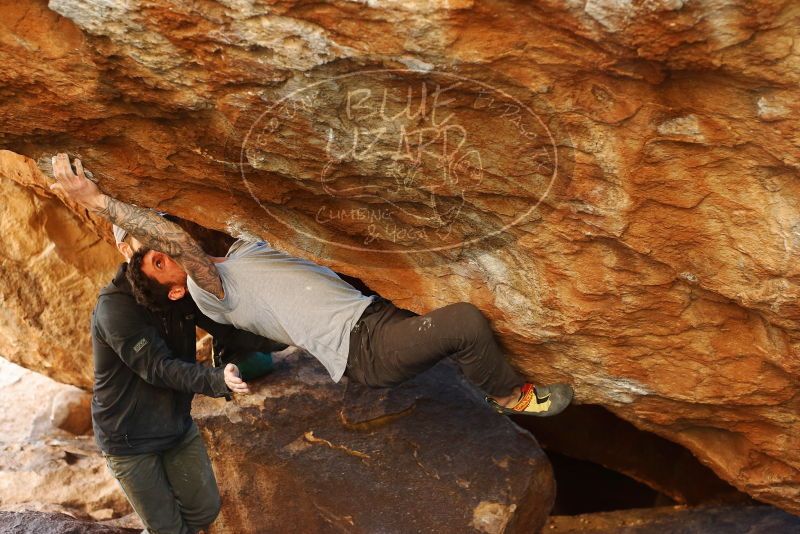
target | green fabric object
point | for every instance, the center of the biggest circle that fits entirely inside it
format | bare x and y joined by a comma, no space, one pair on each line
254,365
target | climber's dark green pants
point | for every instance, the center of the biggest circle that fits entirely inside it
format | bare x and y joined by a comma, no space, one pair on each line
389,345
173,492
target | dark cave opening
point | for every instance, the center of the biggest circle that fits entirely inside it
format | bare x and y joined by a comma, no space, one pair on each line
585,487
603,463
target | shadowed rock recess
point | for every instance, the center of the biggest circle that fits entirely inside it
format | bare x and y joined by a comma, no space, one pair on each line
613,182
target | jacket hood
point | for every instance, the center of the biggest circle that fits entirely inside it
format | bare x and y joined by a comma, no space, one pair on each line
119,284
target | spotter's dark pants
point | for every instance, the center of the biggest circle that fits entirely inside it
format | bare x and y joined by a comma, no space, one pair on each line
173,492
389,345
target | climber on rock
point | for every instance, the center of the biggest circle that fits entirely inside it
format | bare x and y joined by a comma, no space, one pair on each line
298,302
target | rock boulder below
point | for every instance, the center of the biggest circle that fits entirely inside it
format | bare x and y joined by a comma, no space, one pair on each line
679,520
304,454
54,523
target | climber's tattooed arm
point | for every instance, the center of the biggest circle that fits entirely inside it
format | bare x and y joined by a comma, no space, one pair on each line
152,230
155,232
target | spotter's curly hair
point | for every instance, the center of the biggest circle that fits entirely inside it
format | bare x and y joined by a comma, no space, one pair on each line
147,292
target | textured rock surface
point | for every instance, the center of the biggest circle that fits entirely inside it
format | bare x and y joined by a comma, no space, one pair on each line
54,523
658,273
305,455
678,520
44,468
51,269
72,412
68,474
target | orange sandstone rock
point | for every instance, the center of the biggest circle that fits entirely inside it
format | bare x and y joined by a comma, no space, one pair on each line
51,269
613,182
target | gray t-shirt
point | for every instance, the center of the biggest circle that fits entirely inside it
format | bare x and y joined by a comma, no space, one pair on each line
286,299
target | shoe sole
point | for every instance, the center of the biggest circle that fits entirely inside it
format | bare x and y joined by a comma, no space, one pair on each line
556,406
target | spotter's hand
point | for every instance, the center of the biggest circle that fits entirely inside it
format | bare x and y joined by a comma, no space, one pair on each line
75,186
234,381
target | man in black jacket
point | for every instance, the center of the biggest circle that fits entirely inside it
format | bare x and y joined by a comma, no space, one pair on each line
145,377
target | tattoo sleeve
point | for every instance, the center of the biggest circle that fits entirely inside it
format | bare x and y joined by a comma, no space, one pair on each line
157,233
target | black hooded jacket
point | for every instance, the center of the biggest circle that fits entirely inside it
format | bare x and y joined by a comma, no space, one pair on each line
145,372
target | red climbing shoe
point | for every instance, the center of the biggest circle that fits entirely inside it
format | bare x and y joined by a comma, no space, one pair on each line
541,401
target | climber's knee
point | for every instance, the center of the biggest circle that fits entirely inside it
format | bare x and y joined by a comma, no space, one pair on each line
466,321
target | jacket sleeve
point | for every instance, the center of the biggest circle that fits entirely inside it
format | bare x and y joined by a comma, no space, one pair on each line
230,341
128,332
